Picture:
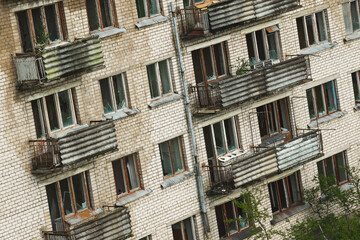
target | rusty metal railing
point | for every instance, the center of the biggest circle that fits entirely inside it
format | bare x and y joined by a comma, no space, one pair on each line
220,179
207,96
45,153
193,22
57,235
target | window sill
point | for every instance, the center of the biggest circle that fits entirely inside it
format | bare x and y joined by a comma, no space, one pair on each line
151,21
357,107
109,32
327,118
176,179
164,100
83,215
132,197
65,132
352,36
318,48
292,211
244,234
121,114
274,139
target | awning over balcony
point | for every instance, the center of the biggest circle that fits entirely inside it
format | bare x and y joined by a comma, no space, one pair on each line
231,12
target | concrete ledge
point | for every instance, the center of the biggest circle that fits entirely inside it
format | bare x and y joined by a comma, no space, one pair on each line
292,211
122,114
352,36
132,197
327,118
318,48
151,21
164,100
110,32
176,179
357,107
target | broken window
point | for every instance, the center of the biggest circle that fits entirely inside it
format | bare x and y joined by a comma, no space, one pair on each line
322,100
285,193
351,16
184,230
172,157
263,45
274,118
335,167
356,85
126,174
53,112
113,93
101,14
312,29
147,8
42,25
159,79
67,198
210,63
229,211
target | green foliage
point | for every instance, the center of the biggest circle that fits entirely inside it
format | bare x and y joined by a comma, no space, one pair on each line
242,66
42,38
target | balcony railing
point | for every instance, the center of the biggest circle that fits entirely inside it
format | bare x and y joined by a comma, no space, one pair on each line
53,63
207,98
220,179
193,22
57,235
82,143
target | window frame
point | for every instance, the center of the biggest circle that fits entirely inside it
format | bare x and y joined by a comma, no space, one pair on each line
193,228
159,81
315,29
180,141
110,81
99,16
61,25
288,197
356,80
335,167
125,175
348,17
325,101
147,10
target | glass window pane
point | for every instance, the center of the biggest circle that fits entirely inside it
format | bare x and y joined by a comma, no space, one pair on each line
165,159
106,95
331,96
52,23
37,109
321,168
242,215
198,66
120,182
177,232
176,154
39,26
153,81
355,77
251,50
330,167
272,117
273,51
52,112
220,218
283,194
341,167
65,108
54,207
230,134
230,214
209,64
188,231
66,197
261,114
165,77
79,191
119,89
132,172
26,39
92,12
219,59
321,26
106,13
284,117
311,103
219,139
274,197
154,7
301,32
294,188
354,16
310,29
141,11
320,100
260,45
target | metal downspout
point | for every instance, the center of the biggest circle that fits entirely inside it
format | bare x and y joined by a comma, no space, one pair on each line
199,182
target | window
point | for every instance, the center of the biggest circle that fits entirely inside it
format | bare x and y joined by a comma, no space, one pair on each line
159,79
53,112
172,157
274,118
101,14
351,16
113,93
228,211
334,166
190,3
147,8
67,198
322,100
184,230
41,25
312,29
210,63
285,193
263,45
356,85
146,238
126,174
220,138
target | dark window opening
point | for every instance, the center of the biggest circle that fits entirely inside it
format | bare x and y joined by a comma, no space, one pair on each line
101,14
335,167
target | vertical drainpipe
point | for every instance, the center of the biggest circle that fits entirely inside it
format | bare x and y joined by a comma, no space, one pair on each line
199,182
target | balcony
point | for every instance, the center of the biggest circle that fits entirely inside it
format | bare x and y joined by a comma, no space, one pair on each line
220,180
113,224
53,63
268,161
193,22
52,154
207,98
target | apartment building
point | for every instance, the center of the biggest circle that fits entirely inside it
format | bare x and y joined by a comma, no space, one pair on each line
102,139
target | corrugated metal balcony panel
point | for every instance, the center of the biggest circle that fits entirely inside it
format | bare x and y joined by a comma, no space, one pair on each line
110,225
265,8
254,167
87,142
70,58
